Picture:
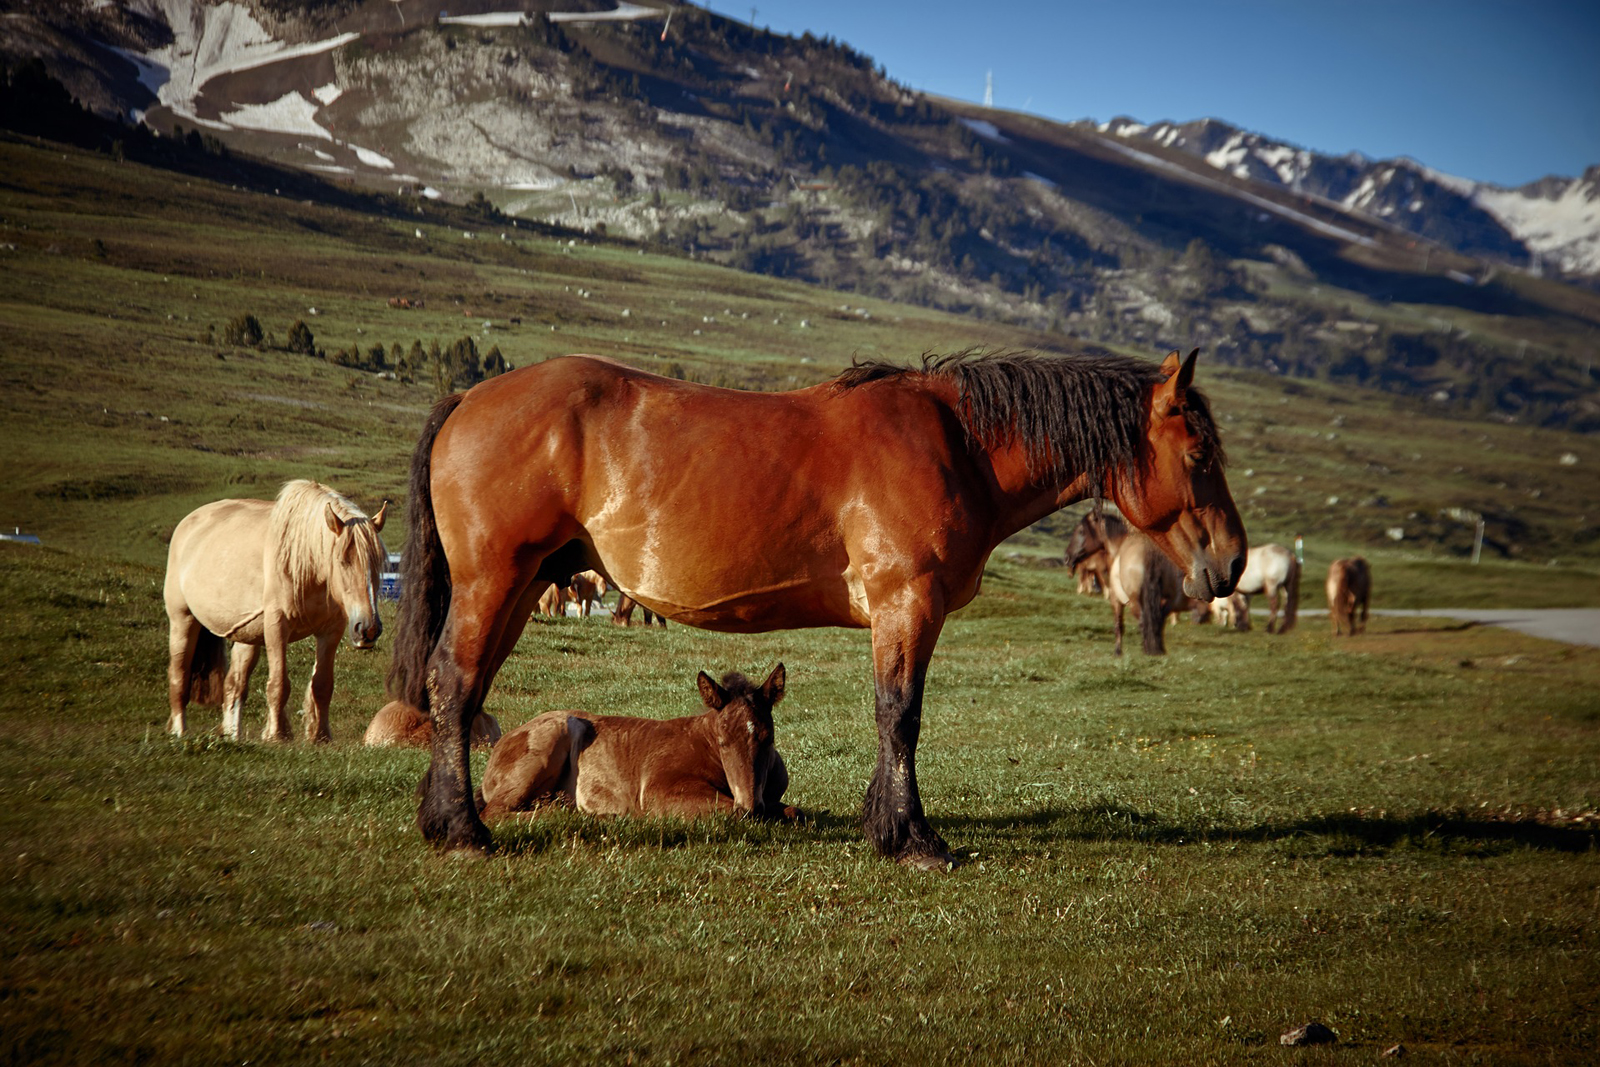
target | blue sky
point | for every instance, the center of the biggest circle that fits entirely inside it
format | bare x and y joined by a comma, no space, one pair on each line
1505,91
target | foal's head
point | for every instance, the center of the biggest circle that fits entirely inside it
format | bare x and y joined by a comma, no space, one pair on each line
741,723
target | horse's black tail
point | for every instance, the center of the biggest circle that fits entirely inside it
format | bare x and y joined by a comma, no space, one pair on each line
424,574
1291,598
1153,605
208,671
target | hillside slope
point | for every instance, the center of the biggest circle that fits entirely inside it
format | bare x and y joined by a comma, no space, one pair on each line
797,157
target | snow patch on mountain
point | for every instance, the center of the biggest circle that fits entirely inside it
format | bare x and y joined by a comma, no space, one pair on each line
290,113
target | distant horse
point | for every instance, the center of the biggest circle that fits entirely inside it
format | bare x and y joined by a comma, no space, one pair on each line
553,602
622,614
1273,570
1231,611
1093,544
1142,578
264,573
871,500
1349,589
720,761
588,587
398,723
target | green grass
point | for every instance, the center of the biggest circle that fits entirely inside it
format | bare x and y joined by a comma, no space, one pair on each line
1168,860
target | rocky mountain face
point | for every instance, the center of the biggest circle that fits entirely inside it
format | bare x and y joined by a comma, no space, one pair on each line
671,126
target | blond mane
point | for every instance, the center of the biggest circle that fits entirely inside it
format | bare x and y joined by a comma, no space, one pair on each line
302,546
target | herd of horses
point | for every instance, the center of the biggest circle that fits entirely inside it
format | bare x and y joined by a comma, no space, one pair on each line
872,500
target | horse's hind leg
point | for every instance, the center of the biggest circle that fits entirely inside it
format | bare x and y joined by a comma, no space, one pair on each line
1116,628
241,662
1274,597
483,615
184,635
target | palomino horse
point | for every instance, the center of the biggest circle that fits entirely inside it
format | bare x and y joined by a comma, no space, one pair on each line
622,614
720,761
871,500
1093,545
1273,570
587,588
1349,589
1144,579
269,573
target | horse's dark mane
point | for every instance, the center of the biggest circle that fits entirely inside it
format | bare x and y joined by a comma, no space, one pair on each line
1073,413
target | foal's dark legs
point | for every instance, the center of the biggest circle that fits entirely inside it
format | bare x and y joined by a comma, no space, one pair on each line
893,818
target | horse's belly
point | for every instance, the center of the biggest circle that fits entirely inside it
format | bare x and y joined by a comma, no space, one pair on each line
785,607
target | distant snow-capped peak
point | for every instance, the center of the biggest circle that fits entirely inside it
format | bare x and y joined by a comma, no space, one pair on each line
1555,221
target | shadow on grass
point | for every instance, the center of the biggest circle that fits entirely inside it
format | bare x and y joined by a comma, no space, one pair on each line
1350,834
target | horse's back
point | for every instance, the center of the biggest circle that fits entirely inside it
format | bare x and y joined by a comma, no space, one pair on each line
216,566
1266,569
660,480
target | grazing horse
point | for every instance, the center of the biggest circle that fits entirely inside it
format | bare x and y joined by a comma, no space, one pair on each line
1273,570
720,761
1144,579
871,500
587,588
1093,545
622,615
1349,589
264,573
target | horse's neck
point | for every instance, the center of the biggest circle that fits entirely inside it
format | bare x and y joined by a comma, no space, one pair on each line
1022,498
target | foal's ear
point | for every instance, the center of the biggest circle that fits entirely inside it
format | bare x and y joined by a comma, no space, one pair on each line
1170,394
377,520
772,688
335,523
713,694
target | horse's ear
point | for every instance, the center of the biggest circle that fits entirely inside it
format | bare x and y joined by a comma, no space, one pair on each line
713,694
1170,394
377,520
772,688
335,523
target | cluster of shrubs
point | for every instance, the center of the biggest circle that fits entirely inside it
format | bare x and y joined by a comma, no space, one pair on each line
458,365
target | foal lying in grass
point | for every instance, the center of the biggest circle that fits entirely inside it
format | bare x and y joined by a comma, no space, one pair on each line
722,760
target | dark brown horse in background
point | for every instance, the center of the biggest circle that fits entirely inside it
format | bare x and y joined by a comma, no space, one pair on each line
1349,589
872,500
1092,547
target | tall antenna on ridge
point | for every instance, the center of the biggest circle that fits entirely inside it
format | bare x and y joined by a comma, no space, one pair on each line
988,90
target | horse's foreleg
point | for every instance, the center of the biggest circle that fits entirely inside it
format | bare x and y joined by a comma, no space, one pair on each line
182,638
277,649
319,691
904,631
241,663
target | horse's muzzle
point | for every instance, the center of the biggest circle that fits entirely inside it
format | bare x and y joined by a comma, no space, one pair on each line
1210,579
364,634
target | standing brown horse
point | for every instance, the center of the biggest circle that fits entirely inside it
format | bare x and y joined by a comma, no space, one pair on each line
872,500
1349,589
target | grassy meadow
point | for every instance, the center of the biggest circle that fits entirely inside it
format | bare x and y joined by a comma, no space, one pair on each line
1168,860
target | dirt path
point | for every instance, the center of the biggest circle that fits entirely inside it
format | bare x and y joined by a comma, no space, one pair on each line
1573,626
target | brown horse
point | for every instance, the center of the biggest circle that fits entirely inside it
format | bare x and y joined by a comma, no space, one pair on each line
268,573
1142,578
872,500
1093,545
720,761
398,723
1349,589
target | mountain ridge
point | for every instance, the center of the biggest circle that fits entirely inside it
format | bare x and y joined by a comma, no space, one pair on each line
800,157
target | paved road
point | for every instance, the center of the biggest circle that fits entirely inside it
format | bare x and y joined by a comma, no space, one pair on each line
1574,626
